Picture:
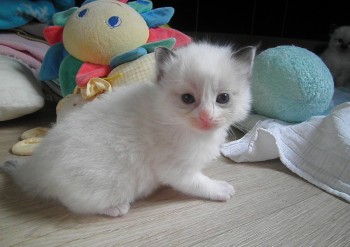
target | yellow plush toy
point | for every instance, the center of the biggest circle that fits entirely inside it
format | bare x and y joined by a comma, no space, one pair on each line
90,41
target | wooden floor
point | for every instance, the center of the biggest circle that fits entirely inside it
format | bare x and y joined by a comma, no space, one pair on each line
271,207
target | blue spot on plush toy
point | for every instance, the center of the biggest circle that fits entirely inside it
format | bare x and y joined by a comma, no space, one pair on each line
291,83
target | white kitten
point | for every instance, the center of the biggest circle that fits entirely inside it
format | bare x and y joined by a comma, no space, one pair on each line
337,56
123,145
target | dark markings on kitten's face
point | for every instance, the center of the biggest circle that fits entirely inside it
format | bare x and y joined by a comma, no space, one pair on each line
162,55
246,56
201,92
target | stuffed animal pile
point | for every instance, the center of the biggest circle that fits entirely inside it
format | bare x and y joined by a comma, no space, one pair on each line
103,44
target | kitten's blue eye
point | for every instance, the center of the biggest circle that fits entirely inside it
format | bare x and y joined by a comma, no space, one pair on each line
223,98
188,98
113,21
82,13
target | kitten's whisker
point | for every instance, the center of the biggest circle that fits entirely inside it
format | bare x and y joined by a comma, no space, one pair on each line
166,123
231,134
175,80
237,126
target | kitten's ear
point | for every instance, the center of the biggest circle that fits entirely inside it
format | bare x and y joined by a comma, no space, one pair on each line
246,57
163,56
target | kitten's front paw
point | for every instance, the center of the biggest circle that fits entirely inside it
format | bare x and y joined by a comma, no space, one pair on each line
119,210
222,191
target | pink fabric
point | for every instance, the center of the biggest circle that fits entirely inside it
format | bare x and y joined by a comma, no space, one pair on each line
29,52
88,71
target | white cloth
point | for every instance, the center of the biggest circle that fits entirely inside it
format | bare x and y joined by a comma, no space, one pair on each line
318,150
20,92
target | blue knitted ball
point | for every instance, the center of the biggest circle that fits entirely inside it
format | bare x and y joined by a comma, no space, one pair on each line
291,83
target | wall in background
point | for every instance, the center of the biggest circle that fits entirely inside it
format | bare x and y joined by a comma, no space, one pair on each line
296,19
309,20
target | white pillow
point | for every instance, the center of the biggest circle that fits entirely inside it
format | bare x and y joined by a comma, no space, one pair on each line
20,91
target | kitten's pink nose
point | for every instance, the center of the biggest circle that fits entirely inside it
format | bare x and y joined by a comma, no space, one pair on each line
205,116
205,119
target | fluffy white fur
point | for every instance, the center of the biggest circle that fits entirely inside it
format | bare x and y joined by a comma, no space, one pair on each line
337,56
122,146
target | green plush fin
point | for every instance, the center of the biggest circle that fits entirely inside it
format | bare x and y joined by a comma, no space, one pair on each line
127,57
167,43
60,18
141,6
68,70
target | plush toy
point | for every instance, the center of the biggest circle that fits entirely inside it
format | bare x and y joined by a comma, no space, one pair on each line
101,45
291,83
90,41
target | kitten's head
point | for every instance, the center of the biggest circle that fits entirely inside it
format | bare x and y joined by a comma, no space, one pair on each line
340,39
204,86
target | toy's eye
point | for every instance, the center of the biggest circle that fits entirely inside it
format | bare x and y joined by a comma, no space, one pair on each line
114,21
341,41
82,13
223,98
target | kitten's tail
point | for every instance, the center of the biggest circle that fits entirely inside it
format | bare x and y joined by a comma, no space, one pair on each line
11,166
